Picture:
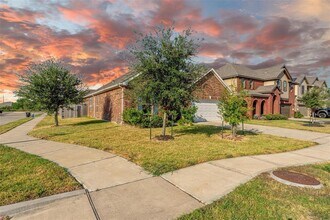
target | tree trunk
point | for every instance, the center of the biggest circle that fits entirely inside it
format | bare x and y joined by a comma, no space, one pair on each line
56,118
234,131
164,124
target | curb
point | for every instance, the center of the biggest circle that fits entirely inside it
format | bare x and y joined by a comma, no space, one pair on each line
32,204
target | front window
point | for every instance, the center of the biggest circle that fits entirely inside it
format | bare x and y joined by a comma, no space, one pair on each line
285,86
302,90
243,83
279,84
251,84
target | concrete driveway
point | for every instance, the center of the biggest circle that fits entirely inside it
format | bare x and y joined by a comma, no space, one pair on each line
7,117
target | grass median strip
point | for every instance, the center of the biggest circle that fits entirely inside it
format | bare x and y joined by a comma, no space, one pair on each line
300,125
11,125
191,144
25,176
265,198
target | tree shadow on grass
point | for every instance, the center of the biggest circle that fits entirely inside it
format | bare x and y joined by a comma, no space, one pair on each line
89,122
200,129
316,124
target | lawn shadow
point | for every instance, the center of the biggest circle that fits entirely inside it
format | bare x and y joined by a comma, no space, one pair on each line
89,122
316,124
200,129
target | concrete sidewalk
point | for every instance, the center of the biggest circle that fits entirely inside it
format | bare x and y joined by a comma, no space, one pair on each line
119,189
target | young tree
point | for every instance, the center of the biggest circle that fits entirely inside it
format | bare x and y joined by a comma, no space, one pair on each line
232,107
167,72
315,98
52,85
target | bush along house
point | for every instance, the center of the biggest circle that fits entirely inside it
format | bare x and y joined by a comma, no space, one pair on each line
271,91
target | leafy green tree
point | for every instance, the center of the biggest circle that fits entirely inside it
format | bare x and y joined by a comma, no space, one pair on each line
232,107
52,85
167,72
25,104
315,98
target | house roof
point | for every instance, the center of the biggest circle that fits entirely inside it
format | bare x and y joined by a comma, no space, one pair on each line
122,80
266,89
257,94
319,83
311,80
299,79
230,70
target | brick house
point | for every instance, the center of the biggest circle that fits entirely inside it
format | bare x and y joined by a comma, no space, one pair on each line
271,91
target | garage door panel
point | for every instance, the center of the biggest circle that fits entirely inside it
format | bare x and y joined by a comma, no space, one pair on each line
207,111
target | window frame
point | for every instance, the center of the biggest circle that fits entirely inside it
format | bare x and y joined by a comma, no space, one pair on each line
251,84
243,83
285,88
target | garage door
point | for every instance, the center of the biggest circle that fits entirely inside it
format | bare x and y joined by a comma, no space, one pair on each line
207,111
285,110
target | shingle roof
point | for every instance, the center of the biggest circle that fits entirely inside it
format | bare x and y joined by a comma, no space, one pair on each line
311,80
319,83
299,79
120,80
266,89
230,70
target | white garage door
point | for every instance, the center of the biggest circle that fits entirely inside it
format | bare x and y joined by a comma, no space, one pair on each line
207,111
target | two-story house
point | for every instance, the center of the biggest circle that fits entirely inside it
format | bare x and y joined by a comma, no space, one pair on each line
271,89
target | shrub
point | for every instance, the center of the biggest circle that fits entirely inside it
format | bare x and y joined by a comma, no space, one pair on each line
132,116
187,115
275,117
156,122
298,115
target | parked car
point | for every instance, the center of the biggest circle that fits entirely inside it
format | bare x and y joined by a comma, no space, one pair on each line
323,112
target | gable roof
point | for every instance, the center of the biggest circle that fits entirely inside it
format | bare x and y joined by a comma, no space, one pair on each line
120,81
216,75
319,83
299,79
230,70
311,80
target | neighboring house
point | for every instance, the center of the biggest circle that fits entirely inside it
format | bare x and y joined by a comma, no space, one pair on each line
302,85
271,89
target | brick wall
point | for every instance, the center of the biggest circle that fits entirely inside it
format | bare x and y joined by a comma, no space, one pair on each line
106,106
209,88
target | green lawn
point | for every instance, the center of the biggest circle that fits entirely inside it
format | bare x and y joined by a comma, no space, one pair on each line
7,127
192,144
24,176
265,198
300,125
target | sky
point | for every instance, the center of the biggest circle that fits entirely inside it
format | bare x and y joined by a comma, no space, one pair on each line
91,37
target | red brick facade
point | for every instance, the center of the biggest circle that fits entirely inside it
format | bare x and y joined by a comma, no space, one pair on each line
209,87
107,106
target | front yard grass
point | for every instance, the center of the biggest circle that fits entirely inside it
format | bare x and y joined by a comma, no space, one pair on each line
300,125
191,145
25,176
265,198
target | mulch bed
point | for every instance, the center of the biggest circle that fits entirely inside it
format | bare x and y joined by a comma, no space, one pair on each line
296,177
164,138
230,137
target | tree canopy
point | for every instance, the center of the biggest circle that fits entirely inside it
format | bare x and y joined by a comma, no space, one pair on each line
52,85
164,61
